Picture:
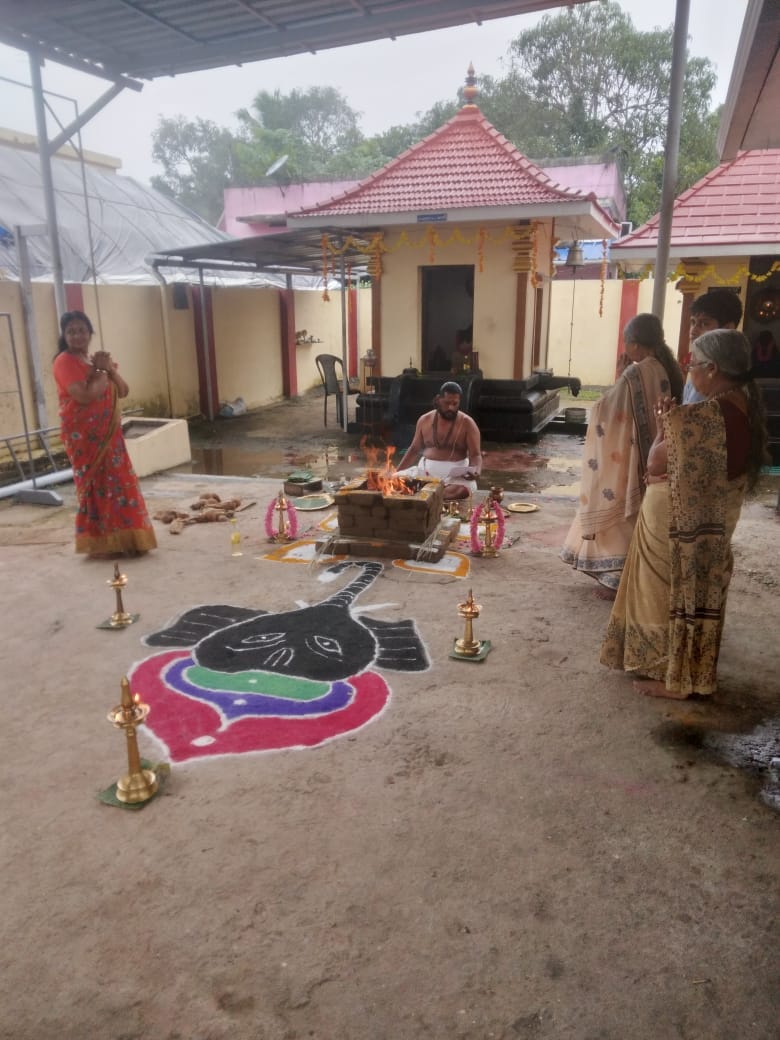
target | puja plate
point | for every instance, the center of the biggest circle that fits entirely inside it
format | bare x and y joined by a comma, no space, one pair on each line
522,507
308,502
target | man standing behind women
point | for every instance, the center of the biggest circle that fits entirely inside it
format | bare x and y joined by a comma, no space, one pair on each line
716,309
666,623
621,428
111,517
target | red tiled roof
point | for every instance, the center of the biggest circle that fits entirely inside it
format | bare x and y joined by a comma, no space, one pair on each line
735,205
465,164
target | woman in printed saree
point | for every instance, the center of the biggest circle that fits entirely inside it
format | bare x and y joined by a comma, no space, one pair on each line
111,517
666,623
621,428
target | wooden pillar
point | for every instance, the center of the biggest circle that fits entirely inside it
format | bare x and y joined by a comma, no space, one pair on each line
352,330
376,323
536,356
520,316
287,342
690,287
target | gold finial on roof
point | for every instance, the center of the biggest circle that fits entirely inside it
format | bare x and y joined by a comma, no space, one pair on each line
471,89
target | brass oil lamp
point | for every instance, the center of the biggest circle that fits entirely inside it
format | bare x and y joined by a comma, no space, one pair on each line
468,646
120,618
490,520
139,784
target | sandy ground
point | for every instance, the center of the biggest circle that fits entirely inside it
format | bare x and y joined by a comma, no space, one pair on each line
517,849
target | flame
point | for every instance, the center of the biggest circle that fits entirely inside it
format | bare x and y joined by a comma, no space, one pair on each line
382,474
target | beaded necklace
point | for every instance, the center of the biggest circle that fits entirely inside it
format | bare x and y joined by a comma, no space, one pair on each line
448,440
723,393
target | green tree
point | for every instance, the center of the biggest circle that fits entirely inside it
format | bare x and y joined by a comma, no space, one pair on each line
586,81
312,126
583,81
198,160
696,159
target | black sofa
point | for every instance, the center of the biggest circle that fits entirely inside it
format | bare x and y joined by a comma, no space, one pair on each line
504,409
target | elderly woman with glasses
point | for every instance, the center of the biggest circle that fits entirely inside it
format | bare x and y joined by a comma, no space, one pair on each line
666,623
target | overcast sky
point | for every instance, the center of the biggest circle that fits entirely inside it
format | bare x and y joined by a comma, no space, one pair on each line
388,82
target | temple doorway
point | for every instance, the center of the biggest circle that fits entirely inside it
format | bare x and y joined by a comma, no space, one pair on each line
447,316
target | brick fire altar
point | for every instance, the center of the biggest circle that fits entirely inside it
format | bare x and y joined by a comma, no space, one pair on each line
376,522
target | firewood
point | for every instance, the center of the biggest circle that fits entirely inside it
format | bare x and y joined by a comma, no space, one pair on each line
167,516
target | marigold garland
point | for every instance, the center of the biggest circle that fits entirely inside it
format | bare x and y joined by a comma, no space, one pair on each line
375,250
477,545
432,243
706,273
534,255
524,246
430,239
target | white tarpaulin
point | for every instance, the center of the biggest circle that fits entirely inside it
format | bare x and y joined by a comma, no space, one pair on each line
127,221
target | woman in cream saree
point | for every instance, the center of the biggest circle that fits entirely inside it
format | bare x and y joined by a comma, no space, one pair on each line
667,620
621,429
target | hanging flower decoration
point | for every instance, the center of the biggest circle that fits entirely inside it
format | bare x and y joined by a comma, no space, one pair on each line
286,527
431,239
524,239
535,255
375,249
603,275
432,243
525,246
709,273
485,510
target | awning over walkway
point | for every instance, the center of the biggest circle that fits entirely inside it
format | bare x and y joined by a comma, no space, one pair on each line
750,113
122,38
289,252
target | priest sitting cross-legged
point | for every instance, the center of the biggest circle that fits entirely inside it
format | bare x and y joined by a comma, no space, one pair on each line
446,445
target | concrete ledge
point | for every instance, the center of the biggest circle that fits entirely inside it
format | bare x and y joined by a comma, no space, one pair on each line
156,444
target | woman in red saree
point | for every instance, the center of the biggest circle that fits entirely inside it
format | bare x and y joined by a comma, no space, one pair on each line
112,516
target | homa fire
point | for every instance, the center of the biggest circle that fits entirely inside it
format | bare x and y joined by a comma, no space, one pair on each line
385,514
395,509
394,521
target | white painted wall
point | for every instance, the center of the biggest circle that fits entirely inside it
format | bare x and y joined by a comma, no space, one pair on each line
155,344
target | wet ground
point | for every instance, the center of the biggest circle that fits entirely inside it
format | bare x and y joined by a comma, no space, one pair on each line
290,435
520,848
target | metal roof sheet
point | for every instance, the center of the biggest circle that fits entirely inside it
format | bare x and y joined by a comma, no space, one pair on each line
291,251
144,39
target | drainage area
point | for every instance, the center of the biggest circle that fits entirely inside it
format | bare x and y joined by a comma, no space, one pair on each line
550,464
